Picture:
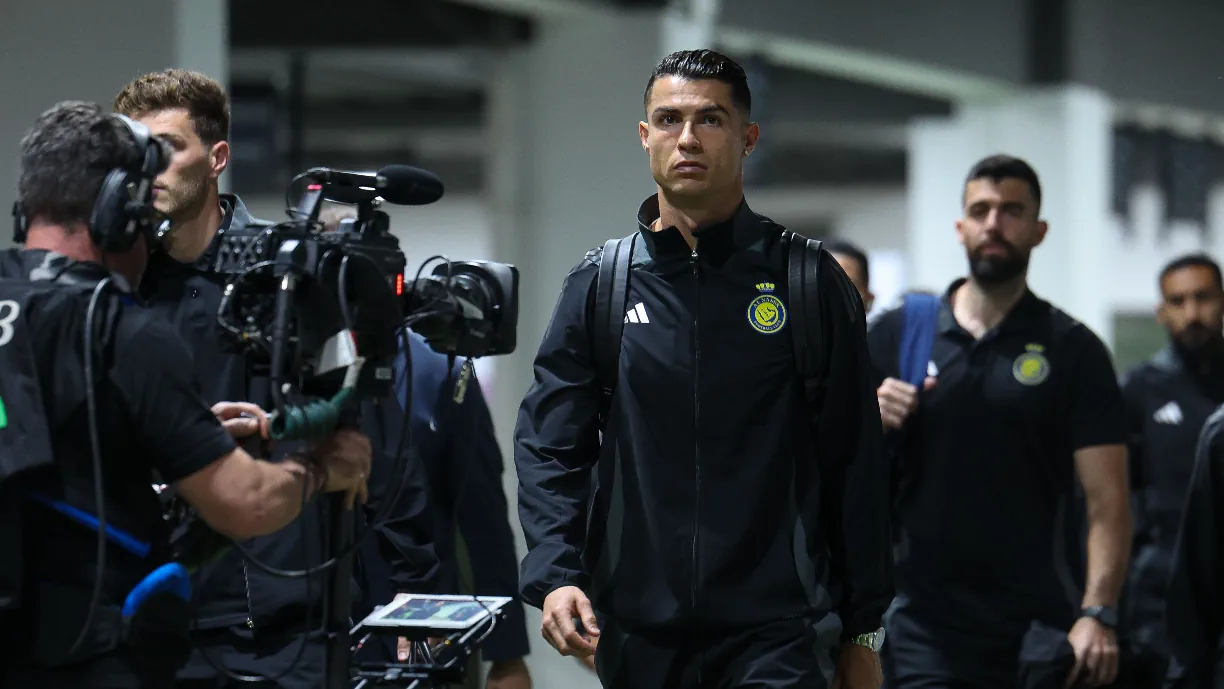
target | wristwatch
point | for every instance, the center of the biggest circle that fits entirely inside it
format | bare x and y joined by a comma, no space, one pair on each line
1104,614
873,640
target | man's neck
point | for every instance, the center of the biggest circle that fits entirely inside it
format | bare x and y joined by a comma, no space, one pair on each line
1204,361
978,307
72,241
192,236
691,214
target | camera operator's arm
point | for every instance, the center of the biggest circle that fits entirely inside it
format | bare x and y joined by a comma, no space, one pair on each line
406,536
556,444
236,494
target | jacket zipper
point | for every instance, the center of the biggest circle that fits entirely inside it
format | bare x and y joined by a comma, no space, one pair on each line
696,441
246,581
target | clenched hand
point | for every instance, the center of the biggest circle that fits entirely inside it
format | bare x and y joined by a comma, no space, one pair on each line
898,400
1096,653
345,455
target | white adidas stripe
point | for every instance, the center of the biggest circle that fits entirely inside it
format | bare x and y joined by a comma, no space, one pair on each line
637,314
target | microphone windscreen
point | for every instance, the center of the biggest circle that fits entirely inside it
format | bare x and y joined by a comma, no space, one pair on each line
409,186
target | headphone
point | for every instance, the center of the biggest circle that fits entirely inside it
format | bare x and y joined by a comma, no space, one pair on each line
123,209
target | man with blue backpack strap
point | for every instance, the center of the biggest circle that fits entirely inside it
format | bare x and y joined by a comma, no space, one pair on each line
994,402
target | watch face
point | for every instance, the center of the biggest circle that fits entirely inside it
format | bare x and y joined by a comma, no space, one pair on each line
877,641
1103,614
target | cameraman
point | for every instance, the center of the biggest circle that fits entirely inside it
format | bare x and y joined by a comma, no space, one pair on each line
141,418
246,620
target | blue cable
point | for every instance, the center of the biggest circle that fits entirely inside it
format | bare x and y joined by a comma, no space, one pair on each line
120,538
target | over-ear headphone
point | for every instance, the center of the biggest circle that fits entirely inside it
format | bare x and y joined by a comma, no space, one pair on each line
124,207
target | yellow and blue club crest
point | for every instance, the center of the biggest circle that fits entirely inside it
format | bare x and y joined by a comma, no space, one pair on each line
1032,367
766,313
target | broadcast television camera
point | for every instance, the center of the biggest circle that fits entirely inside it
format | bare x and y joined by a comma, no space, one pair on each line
325,311
324,314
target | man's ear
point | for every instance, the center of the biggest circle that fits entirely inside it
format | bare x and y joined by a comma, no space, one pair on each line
218,158
750,138
644,135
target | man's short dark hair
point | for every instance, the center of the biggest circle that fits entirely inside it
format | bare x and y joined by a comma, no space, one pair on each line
704,64
65,157
997,168
845,248
202,97
1197,260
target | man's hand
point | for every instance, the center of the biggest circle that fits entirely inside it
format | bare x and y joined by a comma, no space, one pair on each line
858,667
1096,653
242,419
345,455
898,400
561,607
508,674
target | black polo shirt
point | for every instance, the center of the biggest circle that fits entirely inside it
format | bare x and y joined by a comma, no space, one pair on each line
985,531
151,417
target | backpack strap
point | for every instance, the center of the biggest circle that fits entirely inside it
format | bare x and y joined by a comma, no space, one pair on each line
807,330
611,295
919,322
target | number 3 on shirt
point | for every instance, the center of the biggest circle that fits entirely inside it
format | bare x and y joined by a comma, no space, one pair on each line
9,311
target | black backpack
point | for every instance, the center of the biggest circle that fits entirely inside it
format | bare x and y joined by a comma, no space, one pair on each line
803,276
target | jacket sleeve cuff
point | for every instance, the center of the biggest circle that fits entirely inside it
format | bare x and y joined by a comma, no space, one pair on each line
545,572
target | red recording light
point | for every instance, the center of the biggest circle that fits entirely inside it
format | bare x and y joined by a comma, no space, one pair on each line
399,284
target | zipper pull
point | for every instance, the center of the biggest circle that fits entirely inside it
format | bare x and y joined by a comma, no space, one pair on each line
693,260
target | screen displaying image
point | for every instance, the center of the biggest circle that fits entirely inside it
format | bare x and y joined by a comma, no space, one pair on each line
426,609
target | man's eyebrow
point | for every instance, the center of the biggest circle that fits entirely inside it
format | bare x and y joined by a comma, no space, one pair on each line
671,110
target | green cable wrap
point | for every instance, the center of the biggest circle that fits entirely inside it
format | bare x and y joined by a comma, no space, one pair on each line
311,422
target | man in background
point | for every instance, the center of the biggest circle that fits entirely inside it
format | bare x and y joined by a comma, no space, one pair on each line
1019,401
452,430
854,261
1168,399
248,621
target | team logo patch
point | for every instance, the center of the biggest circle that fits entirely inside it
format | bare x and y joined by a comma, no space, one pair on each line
766,314
1031,367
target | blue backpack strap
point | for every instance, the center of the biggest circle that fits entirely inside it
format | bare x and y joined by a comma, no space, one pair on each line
919,323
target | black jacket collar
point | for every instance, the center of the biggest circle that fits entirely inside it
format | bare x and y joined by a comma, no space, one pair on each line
743,229
237,218
1174,360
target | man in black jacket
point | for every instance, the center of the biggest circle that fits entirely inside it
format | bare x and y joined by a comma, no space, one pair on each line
727,544
1168,400
250,622
1194,615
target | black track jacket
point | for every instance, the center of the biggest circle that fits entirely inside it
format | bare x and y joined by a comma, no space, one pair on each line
716,506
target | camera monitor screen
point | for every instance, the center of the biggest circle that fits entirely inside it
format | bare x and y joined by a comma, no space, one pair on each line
415,611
